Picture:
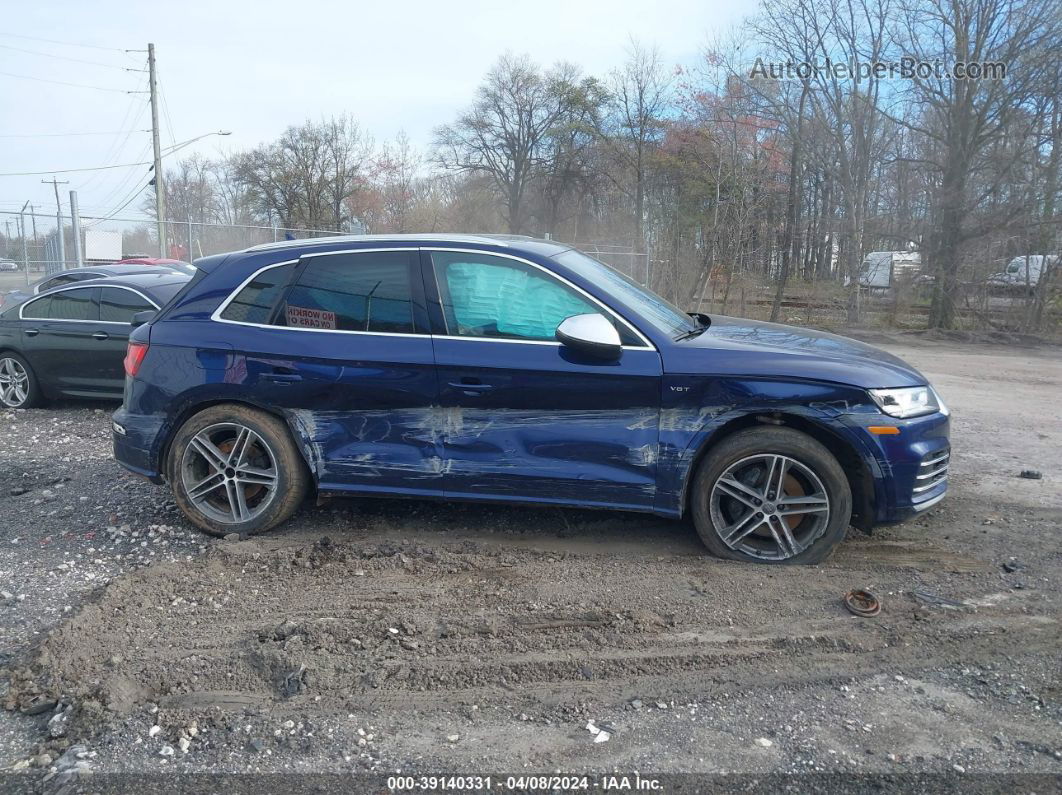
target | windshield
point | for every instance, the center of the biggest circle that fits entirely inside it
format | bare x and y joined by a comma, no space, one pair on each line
664,316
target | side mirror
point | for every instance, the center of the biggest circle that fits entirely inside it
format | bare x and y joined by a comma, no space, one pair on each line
140,318
591,334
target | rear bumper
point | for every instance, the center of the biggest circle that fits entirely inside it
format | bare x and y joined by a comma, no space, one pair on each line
137,442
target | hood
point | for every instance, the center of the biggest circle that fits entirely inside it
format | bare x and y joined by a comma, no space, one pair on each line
736,346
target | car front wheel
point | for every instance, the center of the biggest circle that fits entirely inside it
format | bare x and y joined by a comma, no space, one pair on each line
234,469
771,495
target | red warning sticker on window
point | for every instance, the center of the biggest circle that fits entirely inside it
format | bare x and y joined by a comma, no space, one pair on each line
310,318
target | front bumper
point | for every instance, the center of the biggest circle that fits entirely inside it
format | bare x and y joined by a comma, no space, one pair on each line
910,467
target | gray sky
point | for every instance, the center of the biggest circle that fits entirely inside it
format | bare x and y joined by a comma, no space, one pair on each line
256,67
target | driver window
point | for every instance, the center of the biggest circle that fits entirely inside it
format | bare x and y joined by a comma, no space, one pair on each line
499,298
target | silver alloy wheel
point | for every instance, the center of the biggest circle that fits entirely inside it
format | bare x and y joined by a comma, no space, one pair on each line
229,473
769,506
14,383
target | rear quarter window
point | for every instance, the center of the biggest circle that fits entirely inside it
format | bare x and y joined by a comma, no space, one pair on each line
255,302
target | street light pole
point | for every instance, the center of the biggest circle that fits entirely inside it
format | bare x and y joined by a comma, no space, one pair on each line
59,220
75,224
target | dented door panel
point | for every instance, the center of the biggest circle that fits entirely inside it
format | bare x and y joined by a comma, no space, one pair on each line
538,422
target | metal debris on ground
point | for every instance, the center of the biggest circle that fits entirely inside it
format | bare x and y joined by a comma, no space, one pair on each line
862,603
295,682
600,734
934,600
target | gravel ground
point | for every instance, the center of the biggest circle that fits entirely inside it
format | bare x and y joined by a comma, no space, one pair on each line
378,636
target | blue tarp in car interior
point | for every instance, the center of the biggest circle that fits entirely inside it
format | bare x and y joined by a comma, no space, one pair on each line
523,304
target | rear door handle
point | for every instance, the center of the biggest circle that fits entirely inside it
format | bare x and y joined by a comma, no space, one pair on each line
31,332
100,335
282,378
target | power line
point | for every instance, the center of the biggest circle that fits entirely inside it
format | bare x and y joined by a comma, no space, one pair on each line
63,43
72,170
64,83
165,106
123,184
118,145
60,135
67,58
131,198
166,150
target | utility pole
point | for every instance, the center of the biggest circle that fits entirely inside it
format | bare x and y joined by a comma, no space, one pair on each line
59,220
160,193
75,222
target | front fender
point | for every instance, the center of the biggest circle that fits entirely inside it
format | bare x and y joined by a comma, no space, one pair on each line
699,412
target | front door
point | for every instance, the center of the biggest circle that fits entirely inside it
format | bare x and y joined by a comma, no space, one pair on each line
523,417
59,330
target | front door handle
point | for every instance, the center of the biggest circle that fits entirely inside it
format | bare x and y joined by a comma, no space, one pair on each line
471,389
31,332
100,335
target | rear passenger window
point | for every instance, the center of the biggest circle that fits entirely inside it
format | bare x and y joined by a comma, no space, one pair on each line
370,291
69,305
119,306
254,303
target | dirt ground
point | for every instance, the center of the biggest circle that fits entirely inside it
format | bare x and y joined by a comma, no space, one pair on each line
389,636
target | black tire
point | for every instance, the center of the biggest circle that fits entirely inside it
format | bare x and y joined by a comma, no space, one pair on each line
816,542
34,393
274,442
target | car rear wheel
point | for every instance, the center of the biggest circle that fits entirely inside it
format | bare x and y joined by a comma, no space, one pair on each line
234,469
771,495
18,385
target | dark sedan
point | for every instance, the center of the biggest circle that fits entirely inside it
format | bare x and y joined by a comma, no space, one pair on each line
87,273
70,341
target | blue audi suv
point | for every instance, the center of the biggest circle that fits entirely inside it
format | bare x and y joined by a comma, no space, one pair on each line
508,369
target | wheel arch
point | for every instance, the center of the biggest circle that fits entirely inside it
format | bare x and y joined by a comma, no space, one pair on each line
860,479
191,409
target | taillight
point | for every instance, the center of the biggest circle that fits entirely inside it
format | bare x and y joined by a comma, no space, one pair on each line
134,356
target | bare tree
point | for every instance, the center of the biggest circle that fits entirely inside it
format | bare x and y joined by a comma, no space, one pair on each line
502,135
633,125
965,120
307,176
806,34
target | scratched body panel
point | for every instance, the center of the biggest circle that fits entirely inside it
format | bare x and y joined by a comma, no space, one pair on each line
549,424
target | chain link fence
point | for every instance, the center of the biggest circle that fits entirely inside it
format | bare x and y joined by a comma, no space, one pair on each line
630,263
32,242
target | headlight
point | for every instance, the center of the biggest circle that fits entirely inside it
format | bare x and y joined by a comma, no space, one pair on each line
910,401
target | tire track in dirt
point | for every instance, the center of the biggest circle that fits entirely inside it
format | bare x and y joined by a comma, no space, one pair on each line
409,626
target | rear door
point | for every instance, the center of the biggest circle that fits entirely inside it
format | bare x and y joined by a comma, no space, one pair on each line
524,417
340,340
117,307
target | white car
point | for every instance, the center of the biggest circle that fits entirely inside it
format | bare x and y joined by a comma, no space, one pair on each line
1024,271
8,265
